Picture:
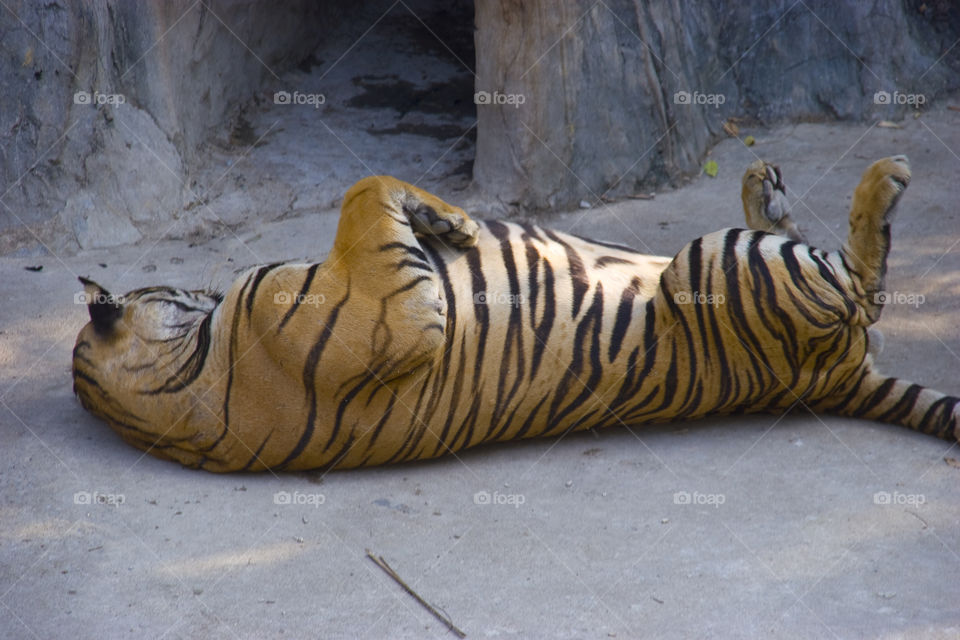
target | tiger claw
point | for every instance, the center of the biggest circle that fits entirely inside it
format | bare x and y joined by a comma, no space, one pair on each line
775,205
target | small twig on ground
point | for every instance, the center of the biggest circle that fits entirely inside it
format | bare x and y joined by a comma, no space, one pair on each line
925,525
380,562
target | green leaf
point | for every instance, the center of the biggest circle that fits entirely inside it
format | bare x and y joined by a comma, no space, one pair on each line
710,168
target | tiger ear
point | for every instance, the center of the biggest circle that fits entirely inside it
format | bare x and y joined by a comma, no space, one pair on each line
105,308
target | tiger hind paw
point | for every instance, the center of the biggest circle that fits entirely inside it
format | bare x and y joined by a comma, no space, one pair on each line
765,201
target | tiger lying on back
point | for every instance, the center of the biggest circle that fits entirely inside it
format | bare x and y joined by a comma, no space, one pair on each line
425,332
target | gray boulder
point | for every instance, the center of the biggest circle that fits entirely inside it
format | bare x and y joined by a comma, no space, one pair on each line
105,106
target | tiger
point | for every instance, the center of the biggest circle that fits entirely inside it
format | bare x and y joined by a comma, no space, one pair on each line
425,332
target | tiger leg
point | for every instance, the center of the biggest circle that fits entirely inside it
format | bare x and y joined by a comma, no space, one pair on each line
381,209
393,282
868,242
765,201
873,396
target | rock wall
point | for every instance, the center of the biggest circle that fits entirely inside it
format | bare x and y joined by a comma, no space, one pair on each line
582,99
104,106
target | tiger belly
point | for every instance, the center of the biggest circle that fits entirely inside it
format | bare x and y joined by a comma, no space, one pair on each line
546,333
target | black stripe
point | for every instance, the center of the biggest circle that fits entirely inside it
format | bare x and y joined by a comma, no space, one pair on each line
735,308
541,333
454,401
832,374
416,427
669,391
256,454
378,429
691,375
513,341
531,231
82,344
261,274
531,420
443,375
80,375
342,453
719,350
695,269
371,376
603,261
408,286
945,423
415,264
406,248
608,245
624,314
309,379
849,267
592,322
307,282
231,361
469,424
879,395
458,381
626,386
481,311
191,369
904,406
578,275
182,306
811,296
650,347
826,272
533,280
786,332
847,399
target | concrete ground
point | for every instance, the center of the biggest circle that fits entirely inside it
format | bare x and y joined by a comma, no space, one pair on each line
794,526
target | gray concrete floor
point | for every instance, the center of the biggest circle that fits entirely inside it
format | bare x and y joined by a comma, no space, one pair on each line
584,537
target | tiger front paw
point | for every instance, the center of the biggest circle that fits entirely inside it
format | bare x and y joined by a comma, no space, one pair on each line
449,223
765,201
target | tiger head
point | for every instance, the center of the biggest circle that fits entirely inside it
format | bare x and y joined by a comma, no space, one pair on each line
138,350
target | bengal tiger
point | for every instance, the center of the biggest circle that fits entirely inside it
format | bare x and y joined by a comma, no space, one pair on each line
425,332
